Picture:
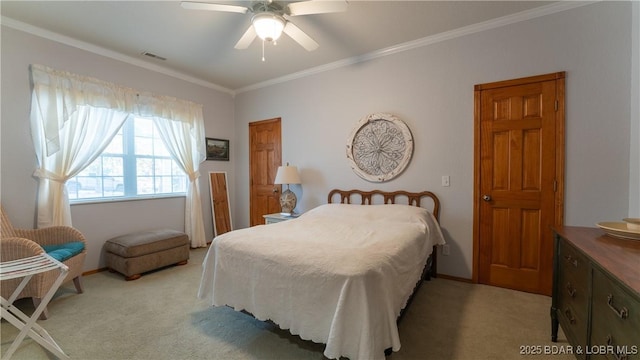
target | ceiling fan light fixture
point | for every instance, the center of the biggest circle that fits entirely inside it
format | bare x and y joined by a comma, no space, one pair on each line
268,26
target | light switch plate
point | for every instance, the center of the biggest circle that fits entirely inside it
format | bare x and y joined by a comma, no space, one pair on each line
445,180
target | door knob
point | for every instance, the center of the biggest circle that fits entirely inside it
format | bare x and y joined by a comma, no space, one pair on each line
486,197
275,190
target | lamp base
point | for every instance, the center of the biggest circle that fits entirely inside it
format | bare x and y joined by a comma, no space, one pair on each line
288,202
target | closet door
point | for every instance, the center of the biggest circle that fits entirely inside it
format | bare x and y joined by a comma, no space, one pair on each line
519,172
265,155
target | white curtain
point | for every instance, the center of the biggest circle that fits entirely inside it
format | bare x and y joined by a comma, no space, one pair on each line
185,145
80,141
66,108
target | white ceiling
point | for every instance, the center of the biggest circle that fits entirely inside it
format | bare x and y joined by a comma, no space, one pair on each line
200,44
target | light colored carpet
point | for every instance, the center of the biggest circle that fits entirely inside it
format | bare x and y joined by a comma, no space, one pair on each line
160,317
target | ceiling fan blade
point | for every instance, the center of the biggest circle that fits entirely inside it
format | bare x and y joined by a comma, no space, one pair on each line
194,5
246,39
317,7
300,37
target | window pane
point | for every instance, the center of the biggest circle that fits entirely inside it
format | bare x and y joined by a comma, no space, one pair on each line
159,149
135,163
163,184
87,186
145,185
143,127
113,185
116,146
95,169
163,166
144,167
177,170
144,146
179,184
112,165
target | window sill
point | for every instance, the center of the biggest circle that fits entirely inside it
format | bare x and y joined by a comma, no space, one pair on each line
122,199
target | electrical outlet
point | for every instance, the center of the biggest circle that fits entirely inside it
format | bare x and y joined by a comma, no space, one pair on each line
445,249
445,180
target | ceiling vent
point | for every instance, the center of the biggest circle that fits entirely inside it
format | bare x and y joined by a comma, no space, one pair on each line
152,55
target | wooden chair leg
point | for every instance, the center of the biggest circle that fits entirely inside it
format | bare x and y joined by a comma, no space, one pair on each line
45,312
77,281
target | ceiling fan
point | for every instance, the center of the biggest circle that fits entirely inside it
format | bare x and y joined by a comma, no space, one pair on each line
271,18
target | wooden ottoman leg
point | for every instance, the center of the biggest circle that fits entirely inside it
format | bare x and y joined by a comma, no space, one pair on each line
183,262
133,277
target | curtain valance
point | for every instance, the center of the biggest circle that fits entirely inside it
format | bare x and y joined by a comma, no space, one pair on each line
59,93
73,119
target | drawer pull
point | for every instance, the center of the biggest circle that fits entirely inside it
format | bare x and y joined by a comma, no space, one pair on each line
570,259
610,343
567,312
571,290
622,314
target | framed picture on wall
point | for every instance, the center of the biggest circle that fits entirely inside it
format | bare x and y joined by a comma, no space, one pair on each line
217,149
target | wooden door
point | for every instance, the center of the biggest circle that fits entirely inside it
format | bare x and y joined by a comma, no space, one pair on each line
220,203
519,181
265,155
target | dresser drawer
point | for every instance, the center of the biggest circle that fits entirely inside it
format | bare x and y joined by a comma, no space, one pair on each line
573,290
574,324
572,262
573,293
615,318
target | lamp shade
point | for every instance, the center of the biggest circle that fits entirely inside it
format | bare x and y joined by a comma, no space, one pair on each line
287,175
268,26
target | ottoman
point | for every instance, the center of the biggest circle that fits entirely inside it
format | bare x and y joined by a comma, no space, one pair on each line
136,253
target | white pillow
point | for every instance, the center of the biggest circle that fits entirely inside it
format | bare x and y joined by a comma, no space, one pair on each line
378,213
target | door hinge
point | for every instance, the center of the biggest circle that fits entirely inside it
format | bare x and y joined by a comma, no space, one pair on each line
555,185
556,105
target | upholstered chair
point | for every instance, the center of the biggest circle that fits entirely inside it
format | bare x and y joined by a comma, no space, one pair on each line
21,243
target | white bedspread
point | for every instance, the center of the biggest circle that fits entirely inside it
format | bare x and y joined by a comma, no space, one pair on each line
339,274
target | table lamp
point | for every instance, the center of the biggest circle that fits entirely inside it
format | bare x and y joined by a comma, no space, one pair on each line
287,175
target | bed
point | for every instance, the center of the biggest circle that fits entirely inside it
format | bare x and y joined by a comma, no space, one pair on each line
341,274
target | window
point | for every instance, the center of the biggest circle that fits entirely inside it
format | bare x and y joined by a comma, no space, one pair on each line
135,164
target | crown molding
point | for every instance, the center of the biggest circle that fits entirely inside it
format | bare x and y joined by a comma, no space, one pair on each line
34,30
429,40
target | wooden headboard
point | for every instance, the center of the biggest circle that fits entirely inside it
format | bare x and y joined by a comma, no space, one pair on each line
369,197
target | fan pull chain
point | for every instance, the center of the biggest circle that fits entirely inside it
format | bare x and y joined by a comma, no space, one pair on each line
262,50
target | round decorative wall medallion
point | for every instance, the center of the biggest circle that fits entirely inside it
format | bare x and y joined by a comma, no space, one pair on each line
379,147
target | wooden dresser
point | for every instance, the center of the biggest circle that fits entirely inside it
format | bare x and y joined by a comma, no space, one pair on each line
596,293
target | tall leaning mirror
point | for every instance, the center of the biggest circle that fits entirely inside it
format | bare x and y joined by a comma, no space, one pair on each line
221,213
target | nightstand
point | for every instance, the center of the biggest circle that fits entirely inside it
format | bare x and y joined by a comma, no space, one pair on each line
277,217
